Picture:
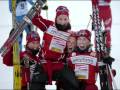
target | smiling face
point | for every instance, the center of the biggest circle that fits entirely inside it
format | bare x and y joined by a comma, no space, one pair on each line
62,19
34,45
62,22
83,43
71,44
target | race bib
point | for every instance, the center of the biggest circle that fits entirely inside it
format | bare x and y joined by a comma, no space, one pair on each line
84,59
103,3
54,32
21,8
81,71
57,45
22,5
59,39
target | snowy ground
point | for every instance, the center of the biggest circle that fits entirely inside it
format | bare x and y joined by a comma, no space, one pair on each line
79,15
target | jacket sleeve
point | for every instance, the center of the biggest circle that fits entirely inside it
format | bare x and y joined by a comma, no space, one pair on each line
108,1
41,23
8,58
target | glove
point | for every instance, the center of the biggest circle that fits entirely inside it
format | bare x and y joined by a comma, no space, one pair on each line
114,72
44,1
45,7
12,31
108,60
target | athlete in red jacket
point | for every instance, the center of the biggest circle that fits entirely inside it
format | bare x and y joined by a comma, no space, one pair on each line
54,46
105,16
28,58
71,45
84,62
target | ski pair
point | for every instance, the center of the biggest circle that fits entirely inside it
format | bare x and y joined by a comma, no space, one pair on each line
19,28
100,46
12,40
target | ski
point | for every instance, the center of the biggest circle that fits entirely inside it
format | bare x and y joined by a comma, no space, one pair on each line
16,67
104,73
16,57
19,28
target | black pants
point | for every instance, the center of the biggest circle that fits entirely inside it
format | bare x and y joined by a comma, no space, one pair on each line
39,79
67,79
66,76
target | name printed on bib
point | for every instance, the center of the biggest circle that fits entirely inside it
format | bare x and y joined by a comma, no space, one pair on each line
54,32
84,59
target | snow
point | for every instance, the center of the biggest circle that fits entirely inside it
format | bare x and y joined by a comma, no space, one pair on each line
79,16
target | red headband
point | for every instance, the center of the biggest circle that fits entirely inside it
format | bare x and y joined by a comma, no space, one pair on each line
33,36
85,33
62,10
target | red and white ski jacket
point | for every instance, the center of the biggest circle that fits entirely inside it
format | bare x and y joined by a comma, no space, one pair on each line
53,47
54,41
105,16
85,66
25,70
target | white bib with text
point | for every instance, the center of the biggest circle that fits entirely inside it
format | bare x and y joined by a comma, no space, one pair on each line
81,71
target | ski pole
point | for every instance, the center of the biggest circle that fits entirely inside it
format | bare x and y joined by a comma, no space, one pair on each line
46,8
89,21
113,80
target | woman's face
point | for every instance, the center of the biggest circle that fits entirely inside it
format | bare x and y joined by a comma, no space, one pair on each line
34,45
62,19
82,43
71,44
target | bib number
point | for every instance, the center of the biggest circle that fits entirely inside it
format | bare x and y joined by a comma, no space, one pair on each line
81,71
57,45
22,5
